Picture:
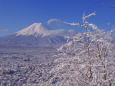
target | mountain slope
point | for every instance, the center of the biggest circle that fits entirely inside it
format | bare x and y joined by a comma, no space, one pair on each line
36,29
37,34
39,29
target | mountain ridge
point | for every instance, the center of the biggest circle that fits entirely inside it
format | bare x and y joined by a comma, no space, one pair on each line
39,29
37,34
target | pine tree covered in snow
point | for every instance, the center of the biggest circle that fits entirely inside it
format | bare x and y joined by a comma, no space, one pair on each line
86,60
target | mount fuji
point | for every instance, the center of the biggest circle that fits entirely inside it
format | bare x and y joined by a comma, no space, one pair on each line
37,34
39,29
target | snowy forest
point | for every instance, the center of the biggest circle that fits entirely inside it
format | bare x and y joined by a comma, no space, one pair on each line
86,59
57,42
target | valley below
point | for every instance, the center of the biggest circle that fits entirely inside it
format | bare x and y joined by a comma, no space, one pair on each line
25,66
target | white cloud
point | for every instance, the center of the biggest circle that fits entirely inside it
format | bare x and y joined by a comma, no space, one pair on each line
3,30
59,21
53,20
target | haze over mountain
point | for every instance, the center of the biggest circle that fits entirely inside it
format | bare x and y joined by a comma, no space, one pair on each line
37,34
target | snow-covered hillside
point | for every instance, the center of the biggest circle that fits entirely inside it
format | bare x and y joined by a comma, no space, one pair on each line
34,29
39,29
37,34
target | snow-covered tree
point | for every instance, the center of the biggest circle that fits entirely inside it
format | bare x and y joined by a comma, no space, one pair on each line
86,60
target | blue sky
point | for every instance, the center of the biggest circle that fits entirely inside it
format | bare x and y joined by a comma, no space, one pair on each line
18,14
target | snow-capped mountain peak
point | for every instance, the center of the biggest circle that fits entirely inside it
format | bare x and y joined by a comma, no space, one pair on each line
38,34
39,29
35,29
